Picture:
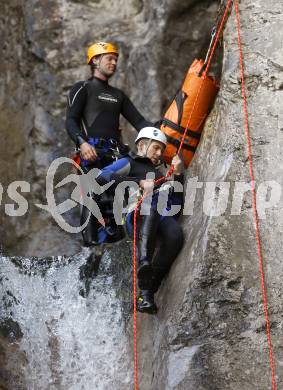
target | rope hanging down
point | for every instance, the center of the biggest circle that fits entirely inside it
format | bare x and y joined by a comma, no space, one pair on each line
256,220
159,181
169,173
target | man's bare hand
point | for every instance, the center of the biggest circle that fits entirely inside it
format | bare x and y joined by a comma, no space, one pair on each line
146,185
88,152
178,165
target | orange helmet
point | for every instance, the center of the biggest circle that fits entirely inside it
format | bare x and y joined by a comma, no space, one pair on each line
100,48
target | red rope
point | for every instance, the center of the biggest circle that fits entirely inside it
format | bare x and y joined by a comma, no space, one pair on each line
169,173
256,219
135,296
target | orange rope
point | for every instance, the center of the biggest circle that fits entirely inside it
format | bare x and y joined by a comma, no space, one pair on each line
256,219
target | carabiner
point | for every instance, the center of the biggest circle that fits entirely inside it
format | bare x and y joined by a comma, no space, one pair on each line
213,33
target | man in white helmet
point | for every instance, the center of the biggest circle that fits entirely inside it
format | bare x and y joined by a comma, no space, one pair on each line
153,264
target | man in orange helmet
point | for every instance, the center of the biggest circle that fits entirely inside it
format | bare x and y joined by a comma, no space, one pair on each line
92,122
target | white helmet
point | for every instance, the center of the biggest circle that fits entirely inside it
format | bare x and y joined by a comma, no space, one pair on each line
153,134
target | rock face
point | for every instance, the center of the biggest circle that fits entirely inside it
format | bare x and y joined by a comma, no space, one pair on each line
209,332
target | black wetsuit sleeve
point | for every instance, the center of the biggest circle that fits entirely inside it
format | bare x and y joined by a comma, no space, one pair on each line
75,107
130,112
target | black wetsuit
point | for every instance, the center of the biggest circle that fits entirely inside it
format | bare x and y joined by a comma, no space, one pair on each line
154,228
94,109
93,113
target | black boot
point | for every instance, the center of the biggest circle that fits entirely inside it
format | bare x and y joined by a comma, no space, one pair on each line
89,233
156,282
144,270
145,302
158,275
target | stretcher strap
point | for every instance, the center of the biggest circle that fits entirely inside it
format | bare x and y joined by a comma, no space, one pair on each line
179,99
176,143
180,129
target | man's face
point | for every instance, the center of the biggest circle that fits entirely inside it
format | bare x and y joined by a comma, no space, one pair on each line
154,151
107,64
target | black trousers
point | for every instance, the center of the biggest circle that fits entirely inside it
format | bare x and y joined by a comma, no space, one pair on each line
160,241
105,204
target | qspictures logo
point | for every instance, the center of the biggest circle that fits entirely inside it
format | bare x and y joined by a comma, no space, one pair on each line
216,198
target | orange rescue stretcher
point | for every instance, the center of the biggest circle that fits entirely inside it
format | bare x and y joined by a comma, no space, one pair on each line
179,112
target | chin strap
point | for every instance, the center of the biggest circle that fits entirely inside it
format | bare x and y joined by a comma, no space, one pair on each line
148,145
97,65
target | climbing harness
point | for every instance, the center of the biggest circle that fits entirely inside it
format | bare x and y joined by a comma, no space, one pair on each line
135,196
182,141
109,149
